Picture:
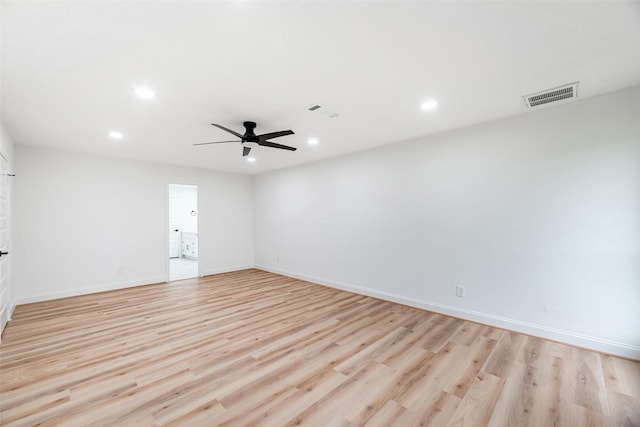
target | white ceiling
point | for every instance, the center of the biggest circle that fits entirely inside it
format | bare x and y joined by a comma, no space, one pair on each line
68,70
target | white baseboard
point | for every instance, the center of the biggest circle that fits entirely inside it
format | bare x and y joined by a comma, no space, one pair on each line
5,318
90,290
12,307
114,286
568,337
227,269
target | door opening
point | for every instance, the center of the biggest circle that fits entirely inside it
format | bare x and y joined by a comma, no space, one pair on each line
6,296
183,231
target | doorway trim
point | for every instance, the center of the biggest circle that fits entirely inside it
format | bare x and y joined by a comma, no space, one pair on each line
6,290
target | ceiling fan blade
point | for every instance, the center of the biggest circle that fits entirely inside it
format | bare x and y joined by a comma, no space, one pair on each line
246,151
215,142
274,145
266,136
228,130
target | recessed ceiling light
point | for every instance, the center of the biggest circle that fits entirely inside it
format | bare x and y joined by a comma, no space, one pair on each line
429,105
144,92
251,159
116,135
312,141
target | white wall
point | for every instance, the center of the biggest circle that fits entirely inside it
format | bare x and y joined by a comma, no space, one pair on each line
537,216
80,218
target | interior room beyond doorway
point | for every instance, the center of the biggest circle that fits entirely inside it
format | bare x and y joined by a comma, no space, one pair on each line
183,231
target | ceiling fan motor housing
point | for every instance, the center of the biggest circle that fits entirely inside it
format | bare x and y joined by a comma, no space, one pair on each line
249,134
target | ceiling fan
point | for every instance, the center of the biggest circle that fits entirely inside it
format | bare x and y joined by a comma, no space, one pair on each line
250,140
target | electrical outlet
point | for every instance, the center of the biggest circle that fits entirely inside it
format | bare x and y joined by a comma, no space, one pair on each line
121,270
460,291
278,259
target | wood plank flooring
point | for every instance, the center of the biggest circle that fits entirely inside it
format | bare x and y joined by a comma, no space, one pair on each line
255,348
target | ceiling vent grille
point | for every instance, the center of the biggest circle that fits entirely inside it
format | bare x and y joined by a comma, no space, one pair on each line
324,110
561,93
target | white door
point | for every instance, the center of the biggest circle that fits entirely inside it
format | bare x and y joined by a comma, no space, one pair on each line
4,244
174,227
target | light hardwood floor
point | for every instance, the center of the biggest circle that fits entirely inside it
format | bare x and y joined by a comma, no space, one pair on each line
255,348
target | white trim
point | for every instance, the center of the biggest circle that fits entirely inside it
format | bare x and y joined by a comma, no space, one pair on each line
115,286
568,337
91,290
167,266
12,307
228,270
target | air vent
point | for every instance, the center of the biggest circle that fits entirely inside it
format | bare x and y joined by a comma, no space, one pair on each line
324,110
557,94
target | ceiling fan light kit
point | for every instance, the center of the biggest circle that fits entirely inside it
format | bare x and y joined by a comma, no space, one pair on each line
250,140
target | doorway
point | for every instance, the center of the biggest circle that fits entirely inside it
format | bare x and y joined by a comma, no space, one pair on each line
183,231
6,297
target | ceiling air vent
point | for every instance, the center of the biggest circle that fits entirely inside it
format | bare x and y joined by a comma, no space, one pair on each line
324,110
561,93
